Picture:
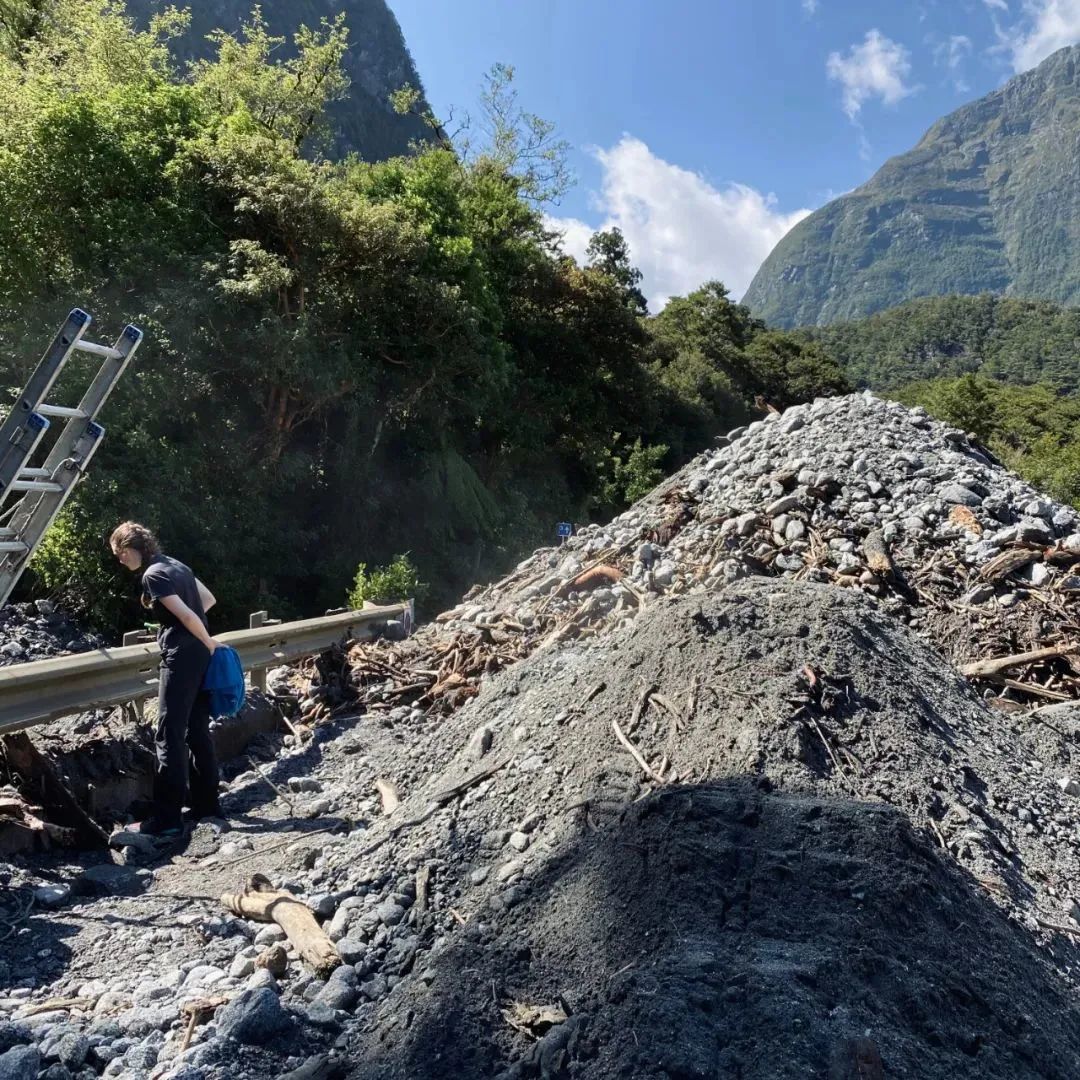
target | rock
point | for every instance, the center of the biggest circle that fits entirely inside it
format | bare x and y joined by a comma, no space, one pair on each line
1069,785
1038,574
390,913
13,1034
51,896
519,841
322,1015
301,784
480,742
1034,531
261,979
275,960
978,595
20,1063
960,495
373,989
56,1072
795,530
746,524
324,905
340,990
72,1050
253,1018
111,880
241,967
783,505
664,574
352,950
270,935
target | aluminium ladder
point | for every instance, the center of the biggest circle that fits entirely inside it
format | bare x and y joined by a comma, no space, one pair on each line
31,497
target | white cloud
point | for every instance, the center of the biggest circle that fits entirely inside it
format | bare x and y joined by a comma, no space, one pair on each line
876,68
951,54
682,231
956,50
1048,25
997,5
810,6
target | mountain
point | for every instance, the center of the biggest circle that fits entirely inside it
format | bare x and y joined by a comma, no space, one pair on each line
378,62
989,201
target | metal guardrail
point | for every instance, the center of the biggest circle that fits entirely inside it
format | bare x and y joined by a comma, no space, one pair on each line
45,690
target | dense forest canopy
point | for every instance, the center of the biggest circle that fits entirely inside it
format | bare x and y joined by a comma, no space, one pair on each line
1014,341
345,360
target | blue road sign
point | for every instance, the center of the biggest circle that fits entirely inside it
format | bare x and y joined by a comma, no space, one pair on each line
565,529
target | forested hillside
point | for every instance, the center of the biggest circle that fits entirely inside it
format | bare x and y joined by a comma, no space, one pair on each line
1016,341
344,360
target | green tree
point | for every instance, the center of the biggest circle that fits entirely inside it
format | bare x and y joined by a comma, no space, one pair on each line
608,253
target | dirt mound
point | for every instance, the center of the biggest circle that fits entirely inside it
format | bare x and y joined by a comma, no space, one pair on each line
727,919
718,930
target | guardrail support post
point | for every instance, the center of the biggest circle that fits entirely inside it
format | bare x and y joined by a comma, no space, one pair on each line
138,637
258,675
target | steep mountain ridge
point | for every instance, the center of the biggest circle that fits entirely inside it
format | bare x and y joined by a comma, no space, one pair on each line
988,201
377,63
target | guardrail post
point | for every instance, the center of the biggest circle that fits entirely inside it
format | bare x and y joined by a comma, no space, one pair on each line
255,620
138,637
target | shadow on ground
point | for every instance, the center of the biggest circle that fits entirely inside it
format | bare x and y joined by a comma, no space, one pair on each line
727,931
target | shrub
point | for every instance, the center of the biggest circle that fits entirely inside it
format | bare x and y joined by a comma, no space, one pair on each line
387,584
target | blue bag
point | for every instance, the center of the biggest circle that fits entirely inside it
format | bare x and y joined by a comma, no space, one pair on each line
224,682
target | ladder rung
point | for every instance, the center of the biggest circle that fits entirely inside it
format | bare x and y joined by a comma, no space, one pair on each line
47,486
34,474
62,411
6,533
14,546
99,350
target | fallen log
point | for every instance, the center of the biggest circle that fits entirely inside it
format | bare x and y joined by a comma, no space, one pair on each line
263,903
984,669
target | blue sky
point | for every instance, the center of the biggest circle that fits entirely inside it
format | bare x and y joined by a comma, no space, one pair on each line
705,130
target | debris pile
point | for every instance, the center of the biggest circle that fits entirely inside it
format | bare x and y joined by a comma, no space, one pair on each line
39,630
855,492
681,798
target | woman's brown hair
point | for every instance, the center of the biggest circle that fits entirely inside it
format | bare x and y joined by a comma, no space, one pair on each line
137,537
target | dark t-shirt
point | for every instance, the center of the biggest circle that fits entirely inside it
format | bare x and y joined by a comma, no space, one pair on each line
168,577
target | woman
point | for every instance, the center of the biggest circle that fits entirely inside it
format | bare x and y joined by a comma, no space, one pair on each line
180,602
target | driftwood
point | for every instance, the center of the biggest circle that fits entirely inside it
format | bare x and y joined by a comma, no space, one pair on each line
985,669
263,903
198,1012
1008,562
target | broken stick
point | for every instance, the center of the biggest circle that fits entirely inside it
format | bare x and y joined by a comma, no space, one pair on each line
982,669
263,903
635,753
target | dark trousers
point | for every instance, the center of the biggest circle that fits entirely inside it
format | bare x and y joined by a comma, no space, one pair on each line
186,762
